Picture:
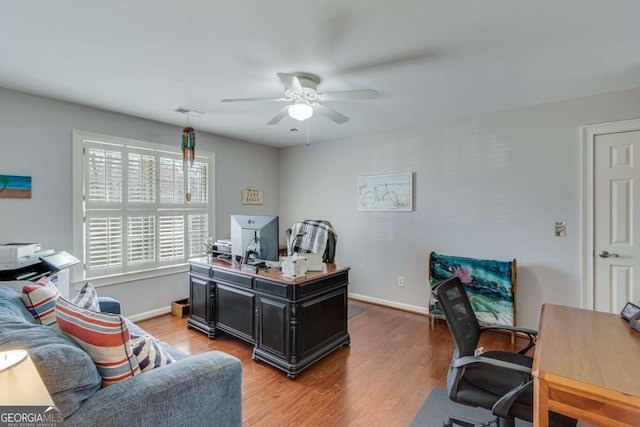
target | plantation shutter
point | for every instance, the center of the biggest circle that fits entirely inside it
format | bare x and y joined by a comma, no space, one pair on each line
141,196
171,180
198,232
104,180
104,201
171,233
141,178
141,239
136,211
104,243
198,183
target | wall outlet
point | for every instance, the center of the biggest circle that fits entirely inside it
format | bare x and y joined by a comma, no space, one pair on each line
401,281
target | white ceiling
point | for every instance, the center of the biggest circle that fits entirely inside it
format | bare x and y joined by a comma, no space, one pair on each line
429,60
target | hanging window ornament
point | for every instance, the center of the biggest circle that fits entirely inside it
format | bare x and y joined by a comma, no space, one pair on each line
188,145
188,154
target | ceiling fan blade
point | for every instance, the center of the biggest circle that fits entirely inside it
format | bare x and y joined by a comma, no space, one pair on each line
322,109
349,94
281,114
410,58
254,99
291,82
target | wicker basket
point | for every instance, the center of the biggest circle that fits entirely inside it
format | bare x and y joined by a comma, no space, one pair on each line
180,308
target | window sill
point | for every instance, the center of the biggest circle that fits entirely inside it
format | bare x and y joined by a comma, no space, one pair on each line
118,279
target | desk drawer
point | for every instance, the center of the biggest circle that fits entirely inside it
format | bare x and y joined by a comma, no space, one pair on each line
324,284
199,269
272,287
236,279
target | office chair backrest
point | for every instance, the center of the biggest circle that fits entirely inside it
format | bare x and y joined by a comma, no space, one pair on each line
461,319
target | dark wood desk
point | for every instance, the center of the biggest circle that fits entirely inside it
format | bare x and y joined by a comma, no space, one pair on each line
292,323
587,366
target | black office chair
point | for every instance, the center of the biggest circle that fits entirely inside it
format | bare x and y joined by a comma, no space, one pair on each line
500,381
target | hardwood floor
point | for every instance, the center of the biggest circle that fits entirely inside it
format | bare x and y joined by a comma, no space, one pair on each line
395,359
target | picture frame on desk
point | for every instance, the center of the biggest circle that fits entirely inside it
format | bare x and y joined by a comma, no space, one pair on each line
630,311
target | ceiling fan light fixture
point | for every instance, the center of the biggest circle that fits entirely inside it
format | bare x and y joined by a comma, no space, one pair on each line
300,110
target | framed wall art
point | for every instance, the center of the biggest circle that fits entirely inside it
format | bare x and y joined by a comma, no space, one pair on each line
15,187
390,192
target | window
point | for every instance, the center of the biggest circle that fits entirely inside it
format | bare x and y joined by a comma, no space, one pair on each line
141,209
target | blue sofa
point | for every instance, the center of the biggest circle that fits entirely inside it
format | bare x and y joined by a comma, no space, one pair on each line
199,390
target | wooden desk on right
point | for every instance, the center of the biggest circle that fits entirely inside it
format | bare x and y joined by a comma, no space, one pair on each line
587,366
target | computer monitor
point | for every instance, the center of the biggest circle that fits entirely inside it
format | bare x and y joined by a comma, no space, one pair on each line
256,233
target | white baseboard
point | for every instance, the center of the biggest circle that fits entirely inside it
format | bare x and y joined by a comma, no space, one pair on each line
391,304
149,314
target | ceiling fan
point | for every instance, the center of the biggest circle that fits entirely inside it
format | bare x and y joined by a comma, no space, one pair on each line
303,98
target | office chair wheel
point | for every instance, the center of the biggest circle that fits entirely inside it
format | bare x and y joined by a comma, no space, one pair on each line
447,424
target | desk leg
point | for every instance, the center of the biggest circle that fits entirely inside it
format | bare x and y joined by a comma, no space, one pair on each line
540,403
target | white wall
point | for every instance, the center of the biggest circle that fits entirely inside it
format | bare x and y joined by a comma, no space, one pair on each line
35,140
488,186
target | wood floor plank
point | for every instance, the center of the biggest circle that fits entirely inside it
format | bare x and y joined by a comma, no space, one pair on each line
394,361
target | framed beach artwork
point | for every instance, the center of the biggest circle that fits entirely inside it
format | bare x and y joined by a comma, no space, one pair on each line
390,192
15,187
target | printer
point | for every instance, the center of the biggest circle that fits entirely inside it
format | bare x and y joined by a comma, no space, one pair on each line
17,255
21,263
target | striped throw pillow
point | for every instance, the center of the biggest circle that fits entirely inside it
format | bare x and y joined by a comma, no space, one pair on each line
105,337
149,353
87,298
40,299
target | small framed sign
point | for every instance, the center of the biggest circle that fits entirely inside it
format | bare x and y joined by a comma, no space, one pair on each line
630,310
251,196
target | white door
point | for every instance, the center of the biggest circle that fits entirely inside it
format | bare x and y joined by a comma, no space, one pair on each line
616,220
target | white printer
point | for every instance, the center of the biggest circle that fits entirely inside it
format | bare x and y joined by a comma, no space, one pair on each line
21,263
18,255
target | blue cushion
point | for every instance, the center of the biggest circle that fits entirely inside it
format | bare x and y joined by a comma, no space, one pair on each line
67,371
109,305
11,304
